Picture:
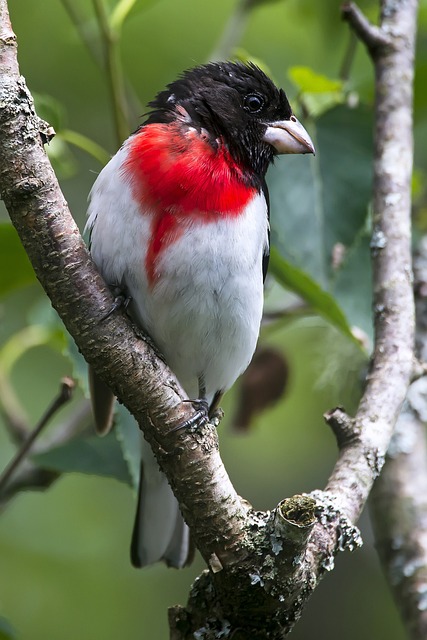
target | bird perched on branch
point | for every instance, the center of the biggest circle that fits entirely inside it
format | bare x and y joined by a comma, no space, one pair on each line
179,220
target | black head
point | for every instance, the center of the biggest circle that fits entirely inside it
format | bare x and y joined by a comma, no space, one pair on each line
234,104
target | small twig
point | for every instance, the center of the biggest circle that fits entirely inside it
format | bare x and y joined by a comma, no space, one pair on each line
342,425
115,72
65,393
133,102
31,477
291,311
372,36
233,31
348,59
78,21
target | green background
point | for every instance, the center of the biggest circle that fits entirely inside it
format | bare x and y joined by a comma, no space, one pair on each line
64,554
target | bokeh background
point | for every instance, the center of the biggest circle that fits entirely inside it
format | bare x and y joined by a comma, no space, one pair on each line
64,553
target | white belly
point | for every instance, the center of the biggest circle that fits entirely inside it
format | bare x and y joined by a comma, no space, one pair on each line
205,312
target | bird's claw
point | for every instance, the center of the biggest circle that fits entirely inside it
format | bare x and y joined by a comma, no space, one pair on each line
198,419
121,301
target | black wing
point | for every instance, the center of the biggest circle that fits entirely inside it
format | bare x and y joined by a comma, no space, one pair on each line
266,256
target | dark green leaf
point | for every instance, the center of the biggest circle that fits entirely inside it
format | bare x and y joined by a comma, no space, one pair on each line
301,283
15,268
353,286
318,203
91,455
6,630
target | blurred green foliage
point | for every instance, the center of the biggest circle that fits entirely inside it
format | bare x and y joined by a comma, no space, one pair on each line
64,568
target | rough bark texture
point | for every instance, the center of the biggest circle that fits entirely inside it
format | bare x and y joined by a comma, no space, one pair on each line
398,503
262,566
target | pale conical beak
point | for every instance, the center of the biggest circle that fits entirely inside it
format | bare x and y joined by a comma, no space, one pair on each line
288,136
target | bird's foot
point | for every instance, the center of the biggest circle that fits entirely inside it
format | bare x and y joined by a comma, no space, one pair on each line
216,416
121,301
198,419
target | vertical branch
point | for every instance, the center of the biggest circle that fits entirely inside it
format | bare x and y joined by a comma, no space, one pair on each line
398,504
391,47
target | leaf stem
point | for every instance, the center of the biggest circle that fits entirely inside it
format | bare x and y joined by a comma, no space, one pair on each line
348,59
86,144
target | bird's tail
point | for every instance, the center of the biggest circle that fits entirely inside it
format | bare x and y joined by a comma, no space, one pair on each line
159,532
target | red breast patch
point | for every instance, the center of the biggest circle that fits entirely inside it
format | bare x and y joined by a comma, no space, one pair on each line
176,174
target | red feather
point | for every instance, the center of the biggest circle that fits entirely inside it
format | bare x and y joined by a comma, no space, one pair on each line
182,179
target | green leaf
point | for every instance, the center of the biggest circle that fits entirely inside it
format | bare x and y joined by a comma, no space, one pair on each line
317,92
320,203
86,144
302,284
6,630
353,285
308,81
90,455
61,158
50,109
15,268
123,10
28,338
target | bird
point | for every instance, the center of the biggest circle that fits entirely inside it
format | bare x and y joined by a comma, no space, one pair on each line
178,220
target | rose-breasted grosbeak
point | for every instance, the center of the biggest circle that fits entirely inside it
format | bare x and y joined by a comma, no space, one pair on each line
179,219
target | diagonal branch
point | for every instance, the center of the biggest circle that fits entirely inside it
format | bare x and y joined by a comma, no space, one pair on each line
373,37
64,395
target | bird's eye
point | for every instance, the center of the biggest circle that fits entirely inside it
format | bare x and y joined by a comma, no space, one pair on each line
253,102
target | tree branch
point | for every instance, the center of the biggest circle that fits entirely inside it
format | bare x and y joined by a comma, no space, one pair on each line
64,395
374,38
30,476
262,566
387,382
398,503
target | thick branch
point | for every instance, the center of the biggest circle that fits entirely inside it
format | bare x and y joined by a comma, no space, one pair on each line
359,464
143,382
